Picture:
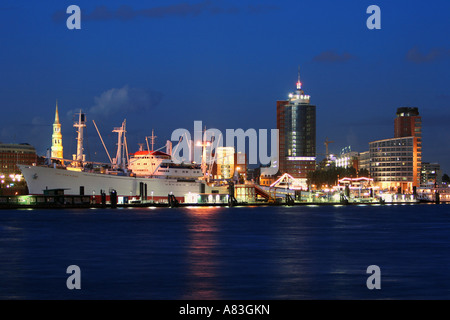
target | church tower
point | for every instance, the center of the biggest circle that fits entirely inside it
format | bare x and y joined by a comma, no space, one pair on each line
57,148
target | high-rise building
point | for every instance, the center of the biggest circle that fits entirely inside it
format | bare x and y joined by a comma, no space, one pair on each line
394,163
296,122
57,148
408,123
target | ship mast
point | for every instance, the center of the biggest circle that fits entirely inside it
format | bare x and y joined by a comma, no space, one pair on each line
80,157
204,144
119,160
153,138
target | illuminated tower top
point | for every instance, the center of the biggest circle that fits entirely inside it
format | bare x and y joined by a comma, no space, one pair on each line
299,84
299,96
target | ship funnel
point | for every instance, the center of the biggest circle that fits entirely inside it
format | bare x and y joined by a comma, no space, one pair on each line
169,147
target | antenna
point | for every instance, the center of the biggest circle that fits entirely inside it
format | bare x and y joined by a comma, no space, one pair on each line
299,84
153,138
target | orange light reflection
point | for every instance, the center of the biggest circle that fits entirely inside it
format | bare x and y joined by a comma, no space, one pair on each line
202,254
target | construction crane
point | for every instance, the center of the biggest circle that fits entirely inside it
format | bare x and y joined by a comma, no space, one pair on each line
326,143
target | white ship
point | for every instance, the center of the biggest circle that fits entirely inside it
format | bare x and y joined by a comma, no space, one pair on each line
146,175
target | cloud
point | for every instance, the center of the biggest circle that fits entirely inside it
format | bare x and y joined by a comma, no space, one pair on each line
125,100
416,56
125,12
333,57
120,101
39,121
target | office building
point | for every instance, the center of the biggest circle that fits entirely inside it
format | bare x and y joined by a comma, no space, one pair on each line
408,123
347,160
430,175
229,164
394,164
364,161
13,154
296,122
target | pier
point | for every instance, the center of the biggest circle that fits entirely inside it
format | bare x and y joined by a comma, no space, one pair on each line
241,195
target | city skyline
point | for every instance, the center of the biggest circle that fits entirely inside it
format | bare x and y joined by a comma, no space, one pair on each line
225,63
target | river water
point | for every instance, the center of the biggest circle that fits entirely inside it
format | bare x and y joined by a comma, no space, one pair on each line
276,253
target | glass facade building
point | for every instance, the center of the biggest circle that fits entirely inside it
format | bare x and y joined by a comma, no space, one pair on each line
394,163
296,122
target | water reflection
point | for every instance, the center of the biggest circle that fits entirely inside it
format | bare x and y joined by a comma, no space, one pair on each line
11,258
202,252
308,256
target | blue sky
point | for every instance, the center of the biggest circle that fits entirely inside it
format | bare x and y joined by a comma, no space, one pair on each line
164,64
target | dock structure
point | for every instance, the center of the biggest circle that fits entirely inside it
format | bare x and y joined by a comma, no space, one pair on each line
238,195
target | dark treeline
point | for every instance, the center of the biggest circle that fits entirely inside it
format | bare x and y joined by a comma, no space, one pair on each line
445,178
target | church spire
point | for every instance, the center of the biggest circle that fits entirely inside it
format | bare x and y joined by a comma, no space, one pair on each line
56,113
57,148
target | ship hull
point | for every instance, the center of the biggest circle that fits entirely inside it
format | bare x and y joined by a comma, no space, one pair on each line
40,178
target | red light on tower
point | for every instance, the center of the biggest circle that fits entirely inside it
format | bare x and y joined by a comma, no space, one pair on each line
299,85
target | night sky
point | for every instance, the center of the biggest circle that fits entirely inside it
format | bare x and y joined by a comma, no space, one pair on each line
163,64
